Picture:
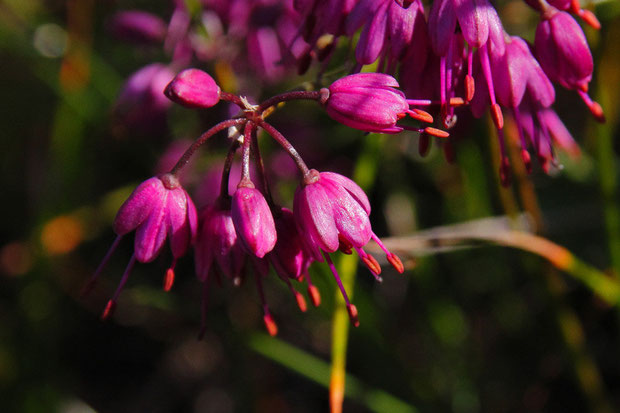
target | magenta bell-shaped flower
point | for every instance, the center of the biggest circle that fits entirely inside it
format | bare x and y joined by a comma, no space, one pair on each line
253,220
564,55
138,26
193,88
158,208
368,102
217,243
563,52
332,211
289,256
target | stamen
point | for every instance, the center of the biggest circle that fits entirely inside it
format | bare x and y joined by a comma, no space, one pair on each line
301,302
270,324
470,84
496,111
470,87
371,263
391,257
505,173
313,292
436,132
314,295
496,114
353,315
595,108
420,115
590,19
109,308
527,160
351,309
169,277
91,283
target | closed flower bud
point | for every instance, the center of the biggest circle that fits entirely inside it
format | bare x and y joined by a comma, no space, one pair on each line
253,221
193,88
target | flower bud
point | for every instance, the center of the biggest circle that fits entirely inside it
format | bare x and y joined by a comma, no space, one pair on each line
193,88
253,221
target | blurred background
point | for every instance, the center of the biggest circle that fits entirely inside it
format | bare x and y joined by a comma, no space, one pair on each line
481,321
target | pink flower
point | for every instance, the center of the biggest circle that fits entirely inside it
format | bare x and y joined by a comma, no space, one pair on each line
332,212
193,88
369,102
217,243
159,208
138,26
563,53
253,221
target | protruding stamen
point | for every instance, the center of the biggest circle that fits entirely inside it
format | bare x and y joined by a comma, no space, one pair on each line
352,310
371,263
496,114
424,144
301,302
353,315
396,262
595,108
470,87
505,174
457,101
169,277
315,296
270,325
527,160
109,308
436,132
91,283
391,257
421,115
590,19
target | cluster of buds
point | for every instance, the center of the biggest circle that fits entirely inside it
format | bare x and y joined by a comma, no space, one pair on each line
247,230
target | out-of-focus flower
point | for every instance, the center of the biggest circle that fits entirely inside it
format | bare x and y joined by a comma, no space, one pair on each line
563,53
138,27
141,103
388,27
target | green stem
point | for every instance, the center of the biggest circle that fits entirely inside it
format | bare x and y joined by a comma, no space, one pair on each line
365,176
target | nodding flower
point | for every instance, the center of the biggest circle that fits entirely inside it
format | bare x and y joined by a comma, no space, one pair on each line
158,209
332,212
371,102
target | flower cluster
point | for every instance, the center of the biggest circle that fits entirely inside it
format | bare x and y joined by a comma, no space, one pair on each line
452,56
247,229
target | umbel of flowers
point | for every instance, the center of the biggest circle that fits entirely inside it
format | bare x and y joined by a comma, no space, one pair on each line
247,232
458,58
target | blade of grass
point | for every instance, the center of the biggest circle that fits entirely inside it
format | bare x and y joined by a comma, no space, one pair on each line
317,370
